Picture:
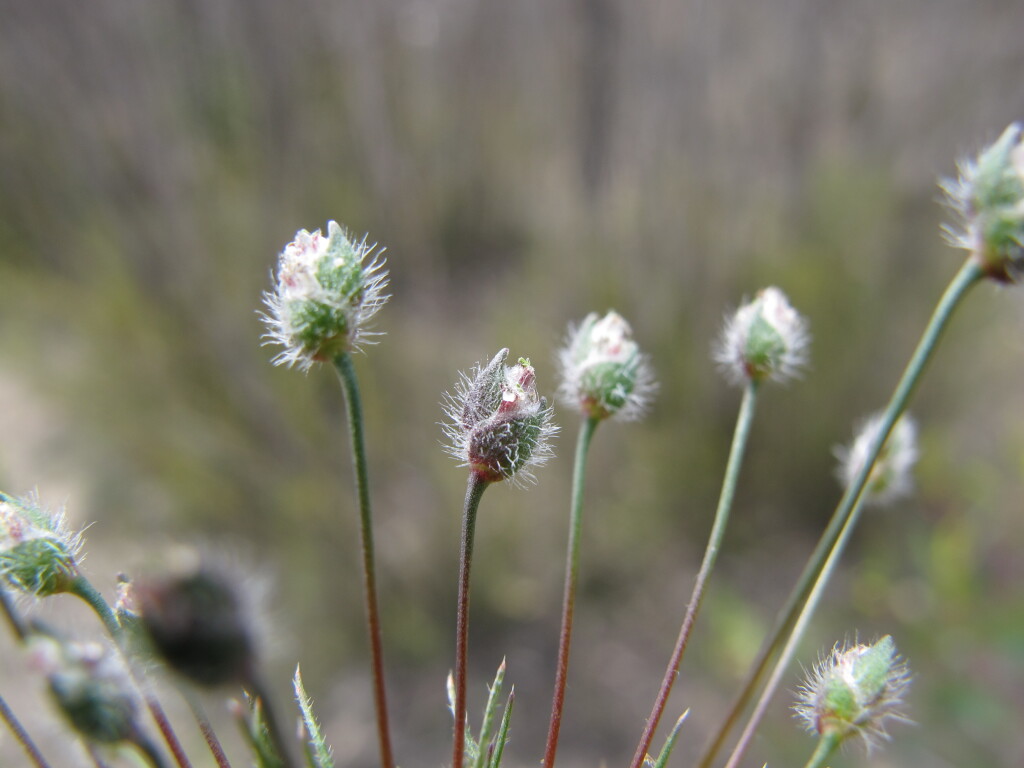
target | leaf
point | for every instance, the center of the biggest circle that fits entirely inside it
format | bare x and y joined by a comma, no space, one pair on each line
318,752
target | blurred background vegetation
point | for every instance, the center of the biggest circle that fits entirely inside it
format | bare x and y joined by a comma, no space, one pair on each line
524,163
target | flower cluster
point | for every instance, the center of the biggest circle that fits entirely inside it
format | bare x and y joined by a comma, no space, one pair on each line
989,198
764,339
855,691
325,294
890,477
603,372
38,551
498,425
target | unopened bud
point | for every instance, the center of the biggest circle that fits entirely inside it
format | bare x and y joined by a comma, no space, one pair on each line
855,691
603,372
890,477
90,687
764,339
499,426
197,623
38,552
989,199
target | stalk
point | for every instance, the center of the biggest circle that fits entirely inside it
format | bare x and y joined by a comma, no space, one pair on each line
475,488
347,374
826,555
569,595
732,470
21,736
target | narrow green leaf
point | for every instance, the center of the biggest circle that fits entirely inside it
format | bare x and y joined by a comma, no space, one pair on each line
318,751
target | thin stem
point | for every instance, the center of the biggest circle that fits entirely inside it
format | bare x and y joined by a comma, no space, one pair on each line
347,374
475,488
82,588
14,619
572,565
206,728
744,420
163,725
21,736
826,556
827,744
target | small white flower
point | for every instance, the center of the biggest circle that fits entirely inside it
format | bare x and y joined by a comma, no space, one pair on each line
326,291
764,339
855,691
603,372
498,425
891,477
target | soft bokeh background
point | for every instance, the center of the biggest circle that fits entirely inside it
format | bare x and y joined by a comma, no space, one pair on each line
524,163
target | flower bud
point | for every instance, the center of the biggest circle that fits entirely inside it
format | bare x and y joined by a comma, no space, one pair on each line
198,623
989,198
854,692
90,687
891,477
325,294
499,426
603,372
38,552
765,339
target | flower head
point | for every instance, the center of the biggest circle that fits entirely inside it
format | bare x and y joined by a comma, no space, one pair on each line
498,425
855,691
198,619
38,551
989,198
324,295
90,686
603,372
764,339
890,478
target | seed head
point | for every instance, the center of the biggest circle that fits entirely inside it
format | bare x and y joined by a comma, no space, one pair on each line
855,691
498,425
326,291
764,339
891,478
38,552
603,372
988,198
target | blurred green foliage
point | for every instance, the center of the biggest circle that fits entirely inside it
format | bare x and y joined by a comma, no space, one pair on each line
524,164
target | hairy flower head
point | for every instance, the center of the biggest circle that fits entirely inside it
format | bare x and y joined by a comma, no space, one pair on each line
855,691
90,686
326,290
603,372
764,339
498,425
38,551
988,197
891,477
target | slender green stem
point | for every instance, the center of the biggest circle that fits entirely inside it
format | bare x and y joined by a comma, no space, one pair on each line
347,374
744,420
21,736
826,555
572,567
475,488
81,587
827,744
